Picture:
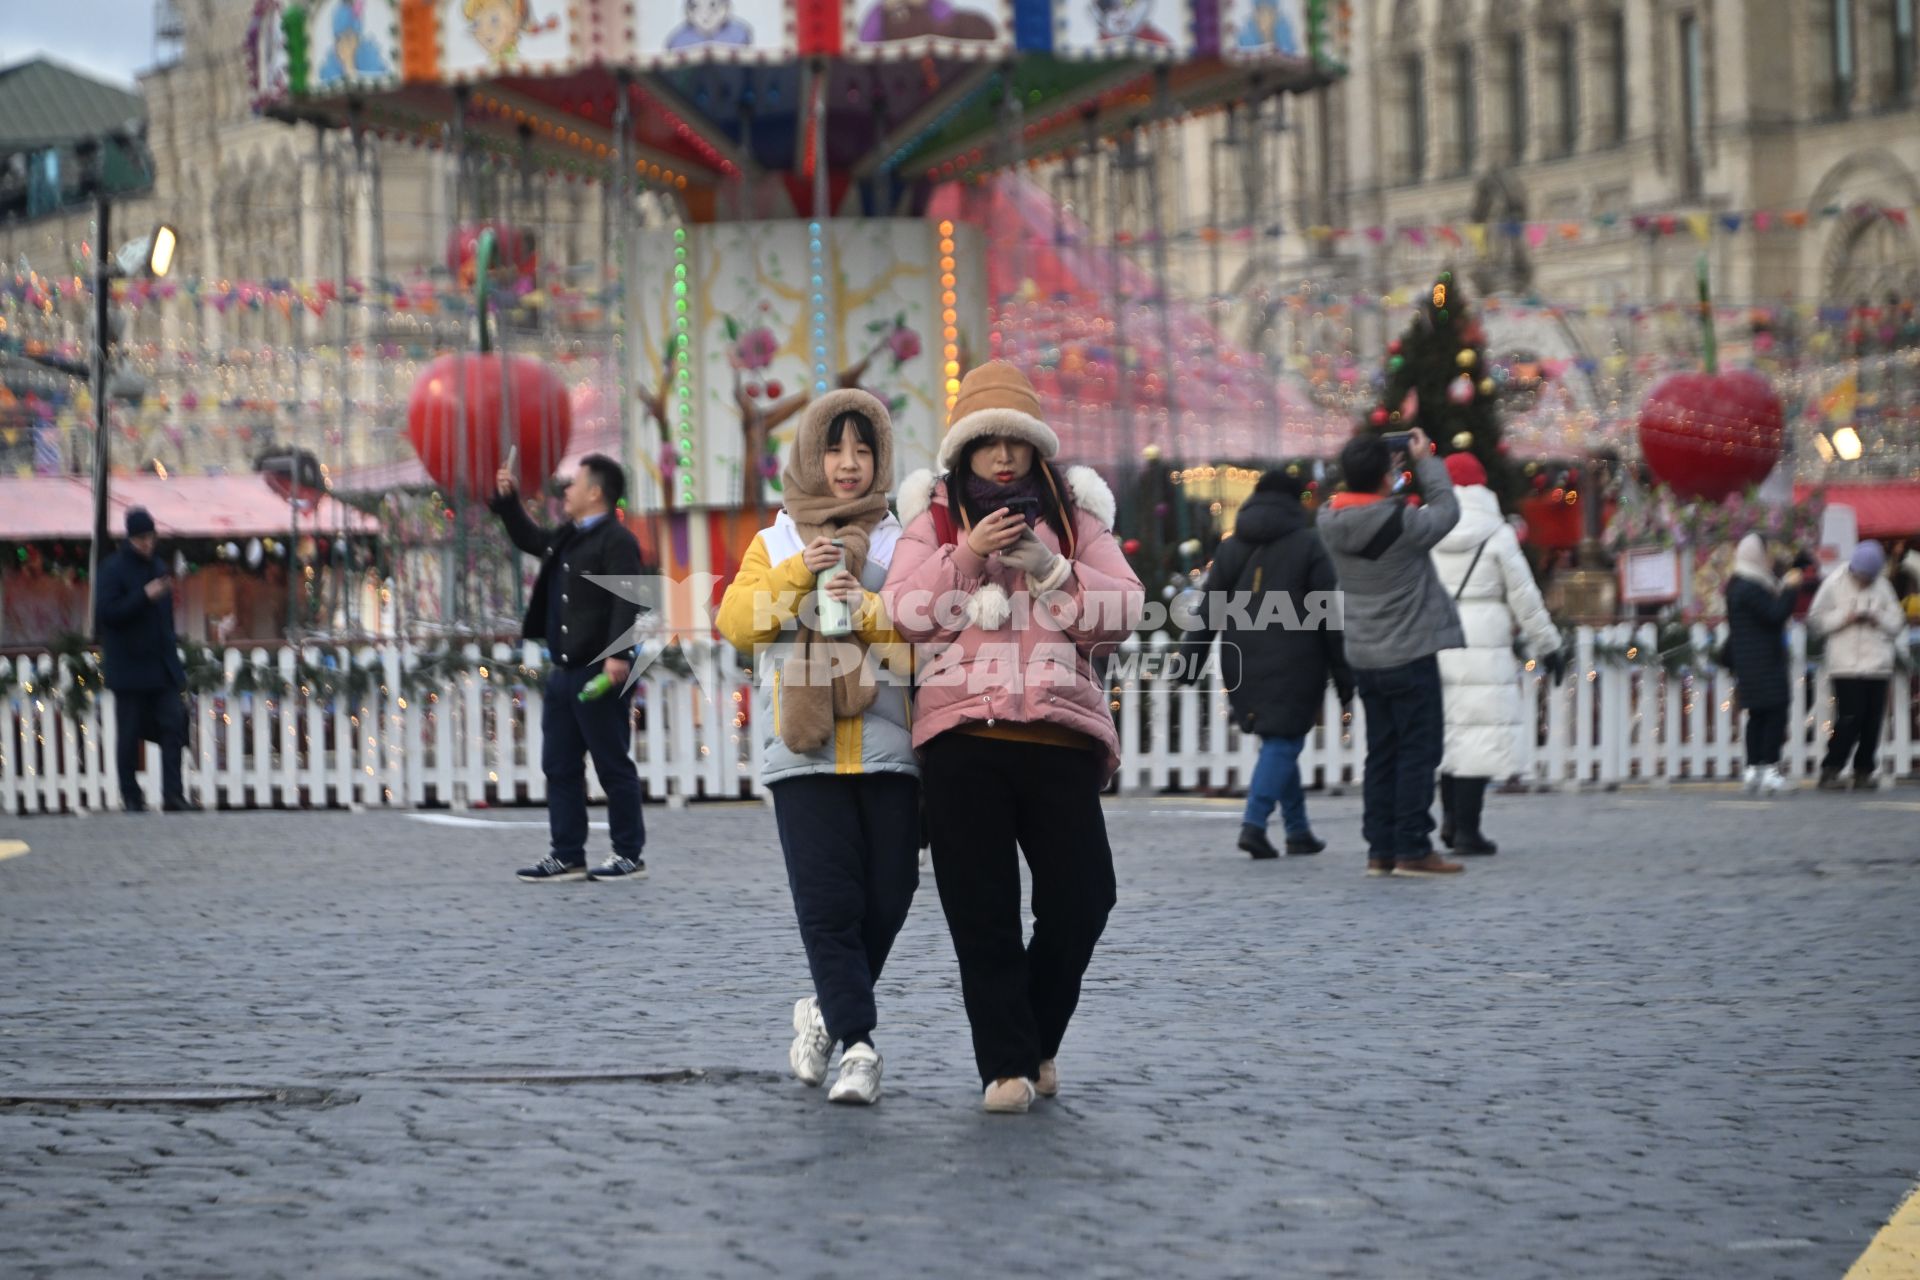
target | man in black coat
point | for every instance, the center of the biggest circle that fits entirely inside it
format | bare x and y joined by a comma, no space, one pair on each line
1277,650
589,632
140,661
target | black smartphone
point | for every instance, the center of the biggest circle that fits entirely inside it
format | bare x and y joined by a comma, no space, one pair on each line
1027,509
1398,441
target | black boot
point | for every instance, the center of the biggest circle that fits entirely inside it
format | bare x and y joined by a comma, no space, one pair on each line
1253,840
1446,810
1469,801
1304,843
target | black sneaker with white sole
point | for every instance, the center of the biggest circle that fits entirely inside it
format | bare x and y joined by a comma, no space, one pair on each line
619,868
550,870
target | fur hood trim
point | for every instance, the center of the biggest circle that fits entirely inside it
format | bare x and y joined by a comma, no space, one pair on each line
1090,493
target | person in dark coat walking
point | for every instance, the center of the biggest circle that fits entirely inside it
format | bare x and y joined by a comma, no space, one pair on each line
589,632
1758,607
140,662
1275,658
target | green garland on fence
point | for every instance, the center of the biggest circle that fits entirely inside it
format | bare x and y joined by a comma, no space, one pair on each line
77,673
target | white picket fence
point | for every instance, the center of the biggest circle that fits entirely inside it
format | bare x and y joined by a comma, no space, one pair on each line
477,740
1609,723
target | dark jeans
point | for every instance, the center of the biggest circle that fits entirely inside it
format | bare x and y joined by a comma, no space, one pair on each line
1406,729
572,730
1766,734
1859,704
985,798
1276,780
150,715
853,862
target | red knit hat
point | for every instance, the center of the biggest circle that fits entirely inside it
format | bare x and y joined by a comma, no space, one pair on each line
1465,469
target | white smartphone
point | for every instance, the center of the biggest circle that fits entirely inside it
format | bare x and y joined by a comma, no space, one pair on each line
513,461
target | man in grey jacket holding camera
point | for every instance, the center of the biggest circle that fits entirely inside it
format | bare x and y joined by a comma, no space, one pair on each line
1398,617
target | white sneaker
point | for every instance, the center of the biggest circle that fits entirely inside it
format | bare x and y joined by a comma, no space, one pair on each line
859,1082
1011,1096
1773,782
812,1046
1750,781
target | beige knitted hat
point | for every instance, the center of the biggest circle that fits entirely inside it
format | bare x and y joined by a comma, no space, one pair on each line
996,402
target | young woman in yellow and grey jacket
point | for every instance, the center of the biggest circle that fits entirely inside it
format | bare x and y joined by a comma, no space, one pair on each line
835,718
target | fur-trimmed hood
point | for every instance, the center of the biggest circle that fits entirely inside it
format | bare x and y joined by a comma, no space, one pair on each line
1091,494
991,606
1091,591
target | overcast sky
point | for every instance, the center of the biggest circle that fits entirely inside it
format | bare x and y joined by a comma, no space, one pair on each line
110,39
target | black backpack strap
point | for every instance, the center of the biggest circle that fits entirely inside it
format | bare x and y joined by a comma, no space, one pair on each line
1471,566
1388,534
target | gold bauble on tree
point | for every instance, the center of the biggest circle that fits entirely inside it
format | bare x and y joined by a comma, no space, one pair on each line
1486,386
1465,358
1462,441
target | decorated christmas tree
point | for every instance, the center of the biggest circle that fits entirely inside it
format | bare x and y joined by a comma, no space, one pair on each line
1438,379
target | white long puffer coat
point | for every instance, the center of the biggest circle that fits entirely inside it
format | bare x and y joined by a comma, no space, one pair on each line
1482,681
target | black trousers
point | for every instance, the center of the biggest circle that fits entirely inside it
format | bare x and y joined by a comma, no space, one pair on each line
149,715
572,730
1406,736
853,862
988,802
1859,706
1766,734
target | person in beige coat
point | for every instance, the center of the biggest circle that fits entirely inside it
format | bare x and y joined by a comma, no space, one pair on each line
1860,617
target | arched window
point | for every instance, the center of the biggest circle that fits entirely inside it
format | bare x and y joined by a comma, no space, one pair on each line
1871,257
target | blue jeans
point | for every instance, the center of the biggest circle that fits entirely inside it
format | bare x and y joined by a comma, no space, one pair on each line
1406,731
1276,780
571,731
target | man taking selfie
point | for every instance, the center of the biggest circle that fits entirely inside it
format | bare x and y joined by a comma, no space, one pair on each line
1399,616
580,620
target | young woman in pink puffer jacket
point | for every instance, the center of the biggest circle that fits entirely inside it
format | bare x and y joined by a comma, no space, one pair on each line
1009,576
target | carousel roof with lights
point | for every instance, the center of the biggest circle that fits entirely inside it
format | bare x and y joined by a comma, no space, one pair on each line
723,101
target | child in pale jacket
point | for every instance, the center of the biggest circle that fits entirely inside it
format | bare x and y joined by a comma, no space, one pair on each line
1012,718
834,714
1860,617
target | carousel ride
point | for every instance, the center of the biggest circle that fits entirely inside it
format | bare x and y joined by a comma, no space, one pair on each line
796,151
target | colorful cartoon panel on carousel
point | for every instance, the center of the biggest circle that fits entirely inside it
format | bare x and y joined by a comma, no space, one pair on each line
324,46
716,30
1136,28
739,107
736,326
1266,28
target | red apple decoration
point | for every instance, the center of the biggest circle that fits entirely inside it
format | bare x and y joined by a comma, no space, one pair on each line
1707,435
456,430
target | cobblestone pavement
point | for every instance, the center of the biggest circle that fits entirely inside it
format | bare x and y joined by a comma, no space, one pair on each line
1661,1034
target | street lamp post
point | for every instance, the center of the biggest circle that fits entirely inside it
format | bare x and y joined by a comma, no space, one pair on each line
101,340
152,257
